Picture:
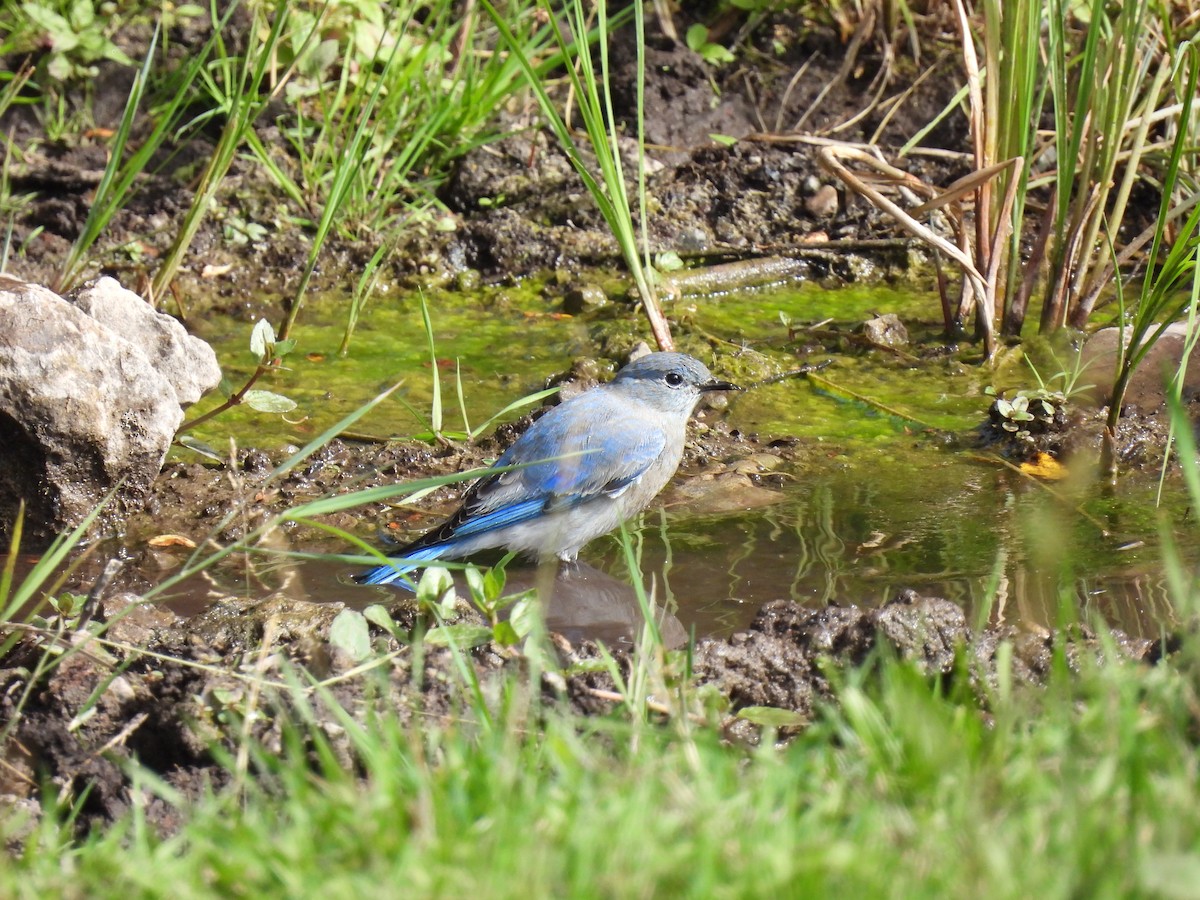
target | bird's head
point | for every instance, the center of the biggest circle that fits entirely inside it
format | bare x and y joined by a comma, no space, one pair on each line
671,382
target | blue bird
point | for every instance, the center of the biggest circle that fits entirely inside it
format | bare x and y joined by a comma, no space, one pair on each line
590,463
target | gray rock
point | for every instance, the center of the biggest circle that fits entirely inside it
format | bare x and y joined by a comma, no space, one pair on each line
84,409
187,363
886,331
1147,388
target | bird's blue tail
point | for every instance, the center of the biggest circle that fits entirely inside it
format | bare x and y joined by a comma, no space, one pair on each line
395,572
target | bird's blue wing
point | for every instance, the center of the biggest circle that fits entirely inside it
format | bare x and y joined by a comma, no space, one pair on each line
571,458
574,453
512,514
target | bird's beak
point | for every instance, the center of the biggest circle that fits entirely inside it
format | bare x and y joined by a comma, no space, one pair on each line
716,385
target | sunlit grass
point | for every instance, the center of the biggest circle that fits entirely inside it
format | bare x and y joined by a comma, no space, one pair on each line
904,786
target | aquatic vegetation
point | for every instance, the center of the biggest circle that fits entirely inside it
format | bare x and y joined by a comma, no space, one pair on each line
269,354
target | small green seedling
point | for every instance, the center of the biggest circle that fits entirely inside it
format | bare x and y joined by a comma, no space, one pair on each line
270,354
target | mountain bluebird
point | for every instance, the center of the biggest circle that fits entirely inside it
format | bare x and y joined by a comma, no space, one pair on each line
590,463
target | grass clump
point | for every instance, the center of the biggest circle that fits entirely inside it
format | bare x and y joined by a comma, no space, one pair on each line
903,787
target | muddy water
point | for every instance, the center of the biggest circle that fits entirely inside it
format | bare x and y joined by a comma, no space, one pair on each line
890,495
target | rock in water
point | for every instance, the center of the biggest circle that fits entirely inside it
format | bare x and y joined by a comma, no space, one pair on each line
91,390
187,363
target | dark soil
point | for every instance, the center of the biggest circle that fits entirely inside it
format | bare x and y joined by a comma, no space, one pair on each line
170,707
518,206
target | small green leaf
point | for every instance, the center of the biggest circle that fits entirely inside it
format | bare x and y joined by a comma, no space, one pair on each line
475,585
225,387
262,340
697,37
350,634
112,52
227,696
67,604
436,585
81,14
524,615
268,402
283,348
772,716
493,582
377,615
725,140
668,261
59,67
465,636
58,28
505,635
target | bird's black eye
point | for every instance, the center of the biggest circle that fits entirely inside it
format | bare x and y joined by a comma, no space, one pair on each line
674,379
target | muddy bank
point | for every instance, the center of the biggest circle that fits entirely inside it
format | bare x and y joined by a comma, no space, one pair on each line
514,207
165,692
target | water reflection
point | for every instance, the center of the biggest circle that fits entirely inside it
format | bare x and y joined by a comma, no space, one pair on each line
585,602
580,601
1008,553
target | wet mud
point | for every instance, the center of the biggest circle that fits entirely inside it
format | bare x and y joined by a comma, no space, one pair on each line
515,207
167,692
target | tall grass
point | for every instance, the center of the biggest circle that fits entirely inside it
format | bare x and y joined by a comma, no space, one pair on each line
1110,78
234,86
1107,96
1013,99
1170,290
376,147
381,99
124,169
591,90
1105,74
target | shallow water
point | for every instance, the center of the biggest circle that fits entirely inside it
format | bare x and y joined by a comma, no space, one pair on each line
885,502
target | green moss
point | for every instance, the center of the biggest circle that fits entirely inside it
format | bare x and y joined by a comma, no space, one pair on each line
877,496
504,347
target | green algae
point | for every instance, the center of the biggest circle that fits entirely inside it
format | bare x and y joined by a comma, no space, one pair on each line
501,345
885,500
504,344
863,394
